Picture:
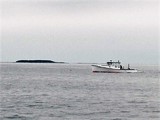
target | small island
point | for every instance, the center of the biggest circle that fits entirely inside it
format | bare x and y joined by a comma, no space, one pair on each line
37,61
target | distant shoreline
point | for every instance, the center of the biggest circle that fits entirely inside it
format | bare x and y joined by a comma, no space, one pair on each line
37,61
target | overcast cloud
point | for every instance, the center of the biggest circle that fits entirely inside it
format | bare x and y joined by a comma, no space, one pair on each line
80,30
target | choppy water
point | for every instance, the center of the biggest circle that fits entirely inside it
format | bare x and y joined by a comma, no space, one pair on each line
73,92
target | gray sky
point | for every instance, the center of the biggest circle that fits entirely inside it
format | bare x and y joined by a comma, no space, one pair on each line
80,30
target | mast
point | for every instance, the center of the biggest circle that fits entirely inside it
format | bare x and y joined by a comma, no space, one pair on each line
128,66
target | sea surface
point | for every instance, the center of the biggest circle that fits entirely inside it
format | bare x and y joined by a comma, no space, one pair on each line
73,92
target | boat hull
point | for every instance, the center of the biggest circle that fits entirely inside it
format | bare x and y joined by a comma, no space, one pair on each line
96,68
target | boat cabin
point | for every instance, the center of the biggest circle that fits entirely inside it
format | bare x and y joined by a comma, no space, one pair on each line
114,64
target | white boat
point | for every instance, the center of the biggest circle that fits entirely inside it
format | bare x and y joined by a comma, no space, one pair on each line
112,67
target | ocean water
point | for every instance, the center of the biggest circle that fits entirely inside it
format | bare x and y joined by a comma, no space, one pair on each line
73,92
